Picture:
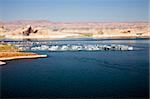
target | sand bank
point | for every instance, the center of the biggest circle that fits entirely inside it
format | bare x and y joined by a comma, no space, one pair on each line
121,36
59,35
4,56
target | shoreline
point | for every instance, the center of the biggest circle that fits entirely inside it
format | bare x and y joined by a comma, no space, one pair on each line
120,36
59,37
18,55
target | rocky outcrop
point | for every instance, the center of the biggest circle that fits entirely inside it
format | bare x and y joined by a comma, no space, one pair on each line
27,31
126,31
3,30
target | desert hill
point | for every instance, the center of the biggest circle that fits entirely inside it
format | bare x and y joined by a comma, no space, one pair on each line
48,29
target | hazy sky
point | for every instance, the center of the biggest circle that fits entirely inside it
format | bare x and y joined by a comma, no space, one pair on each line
74,10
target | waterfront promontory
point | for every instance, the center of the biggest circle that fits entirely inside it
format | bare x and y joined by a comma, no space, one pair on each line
8,52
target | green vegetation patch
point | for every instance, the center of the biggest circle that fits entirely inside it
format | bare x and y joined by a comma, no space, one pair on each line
87,34
1,37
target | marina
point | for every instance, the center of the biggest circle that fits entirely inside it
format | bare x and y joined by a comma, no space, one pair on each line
79,73
56,46
74,49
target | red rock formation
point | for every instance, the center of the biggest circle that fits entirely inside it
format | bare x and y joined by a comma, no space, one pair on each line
28,31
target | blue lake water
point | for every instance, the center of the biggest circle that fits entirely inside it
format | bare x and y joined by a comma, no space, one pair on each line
80,74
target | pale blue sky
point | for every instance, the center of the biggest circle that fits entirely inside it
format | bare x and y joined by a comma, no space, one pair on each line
74,10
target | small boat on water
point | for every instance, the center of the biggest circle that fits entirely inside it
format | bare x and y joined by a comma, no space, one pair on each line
78,48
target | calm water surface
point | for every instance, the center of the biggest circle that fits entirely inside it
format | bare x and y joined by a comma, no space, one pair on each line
80,74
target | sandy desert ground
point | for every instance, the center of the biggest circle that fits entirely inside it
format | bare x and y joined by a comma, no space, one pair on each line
43,29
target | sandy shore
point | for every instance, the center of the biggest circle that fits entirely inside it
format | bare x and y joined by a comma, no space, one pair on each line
50,36
59,35
4,56
121,36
